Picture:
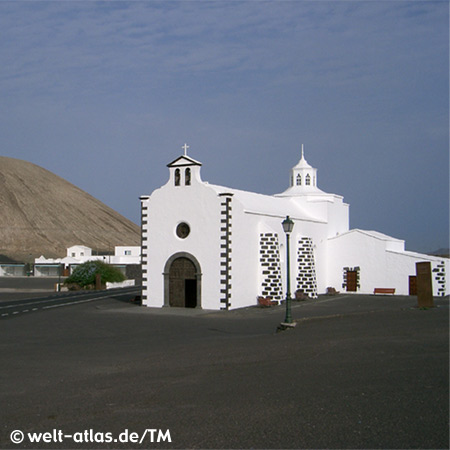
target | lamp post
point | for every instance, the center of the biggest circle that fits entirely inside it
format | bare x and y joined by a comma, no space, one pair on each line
288,225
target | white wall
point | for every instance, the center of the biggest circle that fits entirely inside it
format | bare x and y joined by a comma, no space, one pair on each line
199,207
402,264
357,250
244,262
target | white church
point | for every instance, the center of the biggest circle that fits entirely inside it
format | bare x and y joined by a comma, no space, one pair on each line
214,247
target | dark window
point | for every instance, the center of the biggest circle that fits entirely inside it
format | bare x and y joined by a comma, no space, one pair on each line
177,177
183,230
187,178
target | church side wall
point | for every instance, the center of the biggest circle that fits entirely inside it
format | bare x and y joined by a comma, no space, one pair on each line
259,257
356,252
378,267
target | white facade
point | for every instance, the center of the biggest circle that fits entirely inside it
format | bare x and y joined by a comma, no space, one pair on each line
215,247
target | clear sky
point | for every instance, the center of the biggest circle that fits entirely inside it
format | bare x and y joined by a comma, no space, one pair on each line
104,94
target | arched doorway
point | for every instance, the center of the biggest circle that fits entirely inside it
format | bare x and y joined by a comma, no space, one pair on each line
182,281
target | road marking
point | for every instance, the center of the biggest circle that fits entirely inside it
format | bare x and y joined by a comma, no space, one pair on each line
37,302
76,302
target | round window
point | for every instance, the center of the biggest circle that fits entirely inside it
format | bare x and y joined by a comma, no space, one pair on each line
183,230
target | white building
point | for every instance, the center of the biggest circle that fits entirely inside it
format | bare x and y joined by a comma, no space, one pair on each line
215,247
79,254
12,270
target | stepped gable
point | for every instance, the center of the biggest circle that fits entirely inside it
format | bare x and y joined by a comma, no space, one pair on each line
43,214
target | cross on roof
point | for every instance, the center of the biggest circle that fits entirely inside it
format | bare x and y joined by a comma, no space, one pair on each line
185,147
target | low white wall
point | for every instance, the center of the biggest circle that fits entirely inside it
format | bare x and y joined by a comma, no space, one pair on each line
122,284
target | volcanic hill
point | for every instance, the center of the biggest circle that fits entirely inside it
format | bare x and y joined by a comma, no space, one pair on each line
43,214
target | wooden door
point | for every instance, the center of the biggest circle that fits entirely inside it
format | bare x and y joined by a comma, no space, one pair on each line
352,280
181,280
412,285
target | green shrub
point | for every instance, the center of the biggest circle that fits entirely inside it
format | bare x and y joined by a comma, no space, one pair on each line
84,275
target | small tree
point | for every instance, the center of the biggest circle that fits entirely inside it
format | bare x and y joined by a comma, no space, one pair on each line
84,275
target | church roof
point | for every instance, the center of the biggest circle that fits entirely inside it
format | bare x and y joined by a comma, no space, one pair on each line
267,205
391,243
295,190
308,191
303,164
371,233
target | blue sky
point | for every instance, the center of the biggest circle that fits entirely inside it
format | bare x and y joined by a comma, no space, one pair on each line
104,94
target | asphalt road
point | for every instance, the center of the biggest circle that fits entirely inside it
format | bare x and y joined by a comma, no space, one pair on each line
26,287
10,307
357,372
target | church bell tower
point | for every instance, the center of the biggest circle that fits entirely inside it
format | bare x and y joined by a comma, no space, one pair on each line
184,171
303,176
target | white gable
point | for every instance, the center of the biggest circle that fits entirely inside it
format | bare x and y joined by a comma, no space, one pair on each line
184,161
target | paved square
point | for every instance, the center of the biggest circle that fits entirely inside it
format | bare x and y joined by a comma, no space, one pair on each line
357,372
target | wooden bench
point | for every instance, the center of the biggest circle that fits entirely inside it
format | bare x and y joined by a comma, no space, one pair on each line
332,291
384,291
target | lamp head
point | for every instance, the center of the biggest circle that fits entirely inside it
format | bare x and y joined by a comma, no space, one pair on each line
288,225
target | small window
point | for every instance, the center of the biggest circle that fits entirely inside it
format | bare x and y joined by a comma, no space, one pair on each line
307,180
73,255
177,177
183,230
127,252
299,180
187,178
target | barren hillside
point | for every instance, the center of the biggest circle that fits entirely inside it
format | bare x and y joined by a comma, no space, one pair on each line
43,214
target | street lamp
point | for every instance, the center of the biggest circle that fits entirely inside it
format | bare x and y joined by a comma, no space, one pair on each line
288,225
